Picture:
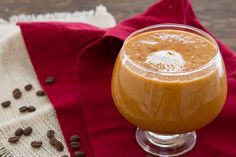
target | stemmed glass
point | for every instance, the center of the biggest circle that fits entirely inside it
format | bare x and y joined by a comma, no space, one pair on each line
167,107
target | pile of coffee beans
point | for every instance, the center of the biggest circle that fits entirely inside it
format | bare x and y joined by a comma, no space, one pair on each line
27,109
17,94
53,141
75,144
56,144
74,140
37,143
18,133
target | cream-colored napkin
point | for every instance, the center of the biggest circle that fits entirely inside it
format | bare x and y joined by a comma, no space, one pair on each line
16,71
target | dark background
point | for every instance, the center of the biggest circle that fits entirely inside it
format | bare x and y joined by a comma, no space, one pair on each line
219,16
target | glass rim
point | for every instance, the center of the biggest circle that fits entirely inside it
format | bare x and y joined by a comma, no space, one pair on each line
174,25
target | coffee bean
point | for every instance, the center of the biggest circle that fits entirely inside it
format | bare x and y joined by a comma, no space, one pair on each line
16,90
74,145
36,144
14,139
40,93
28,87
75,138
6,104
59,146
23,109
50,133
53,141
64,156
16,93
148,155
79,154
19,132
50,80
31,108
27,131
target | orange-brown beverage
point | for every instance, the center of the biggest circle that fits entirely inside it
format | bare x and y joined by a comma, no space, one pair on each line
169,80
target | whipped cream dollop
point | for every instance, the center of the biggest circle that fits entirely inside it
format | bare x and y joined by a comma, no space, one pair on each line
166,61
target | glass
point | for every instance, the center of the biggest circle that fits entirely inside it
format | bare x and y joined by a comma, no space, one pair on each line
167,107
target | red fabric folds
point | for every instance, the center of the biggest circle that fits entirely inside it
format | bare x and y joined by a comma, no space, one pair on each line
81,58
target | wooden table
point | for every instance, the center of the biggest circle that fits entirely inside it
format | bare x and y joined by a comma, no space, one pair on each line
217,15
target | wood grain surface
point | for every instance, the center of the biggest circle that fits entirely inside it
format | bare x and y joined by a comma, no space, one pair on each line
219,16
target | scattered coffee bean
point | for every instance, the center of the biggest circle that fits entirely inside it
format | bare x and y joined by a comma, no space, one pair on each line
64,156
79,154
16,90
74,145
50,80
19,132
6,104
40,93
53,141
16,93
14,139
31,108
50,133
27,131
75,138
148,155
28,87
23,109
36,144
59,146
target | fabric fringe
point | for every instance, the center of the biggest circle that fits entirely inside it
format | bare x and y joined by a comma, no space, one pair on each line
4,152
99,17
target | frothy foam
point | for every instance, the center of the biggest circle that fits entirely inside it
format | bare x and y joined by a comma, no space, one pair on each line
186,39
166,61
150,42
170,50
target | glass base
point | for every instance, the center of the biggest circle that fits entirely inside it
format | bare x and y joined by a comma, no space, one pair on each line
165,145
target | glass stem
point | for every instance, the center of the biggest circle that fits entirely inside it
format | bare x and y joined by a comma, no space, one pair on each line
164,144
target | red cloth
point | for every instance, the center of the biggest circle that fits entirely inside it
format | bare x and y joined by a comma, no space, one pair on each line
81,57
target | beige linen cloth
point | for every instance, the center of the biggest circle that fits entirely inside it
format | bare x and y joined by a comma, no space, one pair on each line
16,71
